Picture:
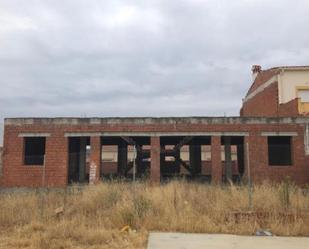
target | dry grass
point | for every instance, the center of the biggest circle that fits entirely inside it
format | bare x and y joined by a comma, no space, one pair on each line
94,216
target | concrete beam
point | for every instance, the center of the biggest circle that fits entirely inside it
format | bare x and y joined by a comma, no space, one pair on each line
82,134
153,120
153,134
280,133
34,134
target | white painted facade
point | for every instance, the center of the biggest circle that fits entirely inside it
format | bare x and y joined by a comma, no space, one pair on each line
289,81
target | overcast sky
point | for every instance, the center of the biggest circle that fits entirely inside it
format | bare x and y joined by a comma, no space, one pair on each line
142,58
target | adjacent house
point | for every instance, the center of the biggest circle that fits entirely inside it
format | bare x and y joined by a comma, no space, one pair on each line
277,92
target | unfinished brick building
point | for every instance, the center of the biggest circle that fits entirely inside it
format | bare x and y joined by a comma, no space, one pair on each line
271,137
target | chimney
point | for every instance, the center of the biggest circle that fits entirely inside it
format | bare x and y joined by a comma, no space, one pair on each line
256,69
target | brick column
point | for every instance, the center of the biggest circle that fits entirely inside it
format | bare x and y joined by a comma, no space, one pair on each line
155,159
56,161
258,158
216,165
95,155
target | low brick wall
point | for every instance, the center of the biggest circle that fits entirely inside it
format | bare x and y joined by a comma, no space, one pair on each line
16,174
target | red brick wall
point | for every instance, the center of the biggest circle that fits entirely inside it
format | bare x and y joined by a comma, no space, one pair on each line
155,158
95,155
260,170
266,104
262,77
263,104
109,167
17,174
289,109
216,159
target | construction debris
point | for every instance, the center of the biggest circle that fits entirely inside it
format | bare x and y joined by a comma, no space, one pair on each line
263,233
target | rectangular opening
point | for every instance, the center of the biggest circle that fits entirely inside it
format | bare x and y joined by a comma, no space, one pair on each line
120,154
303,102
109,159
169,157
303,94
79,159
206,160
232,157
233,153
109,153
34,150
279,150
185,157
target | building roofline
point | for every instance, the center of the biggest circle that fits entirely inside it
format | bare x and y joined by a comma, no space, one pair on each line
290,68
276,70
154,120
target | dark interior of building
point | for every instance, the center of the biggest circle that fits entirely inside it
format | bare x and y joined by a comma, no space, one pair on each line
180,157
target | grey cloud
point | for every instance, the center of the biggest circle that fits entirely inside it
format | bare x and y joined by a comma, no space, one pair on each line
133,58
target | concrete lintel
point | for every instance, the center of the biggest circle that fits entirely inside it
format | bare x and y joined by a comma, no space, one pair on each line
231,134
82,134
34,134
280,133
152,134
